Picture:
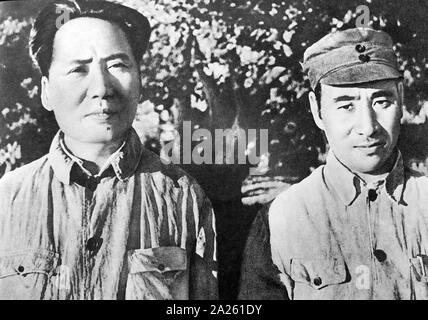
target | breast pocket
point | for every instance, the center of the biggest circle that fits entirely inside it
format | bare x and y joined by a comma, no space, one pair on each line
419,267
25,274
310,274
157,274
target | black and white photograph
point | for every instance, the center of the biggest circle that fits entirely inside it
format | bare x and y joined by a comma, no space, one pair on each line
216,150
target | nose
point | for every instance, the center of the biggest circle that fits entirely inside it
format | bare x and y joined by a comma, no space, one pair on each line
100,85
366,121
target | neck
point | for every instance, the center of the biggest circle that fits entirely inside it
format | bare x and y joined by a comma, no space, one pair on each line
94,155
368,177
382,172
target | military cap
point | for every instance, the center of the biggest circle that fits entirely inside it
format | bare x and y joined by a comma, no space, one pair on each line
351,56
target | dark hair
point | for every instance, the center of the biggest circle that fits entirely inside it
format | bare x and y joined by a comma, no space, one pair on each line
317,92
135,26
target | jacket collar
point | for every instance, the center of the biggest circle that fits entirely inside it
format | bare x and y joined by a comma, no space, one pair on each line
348,185
124,161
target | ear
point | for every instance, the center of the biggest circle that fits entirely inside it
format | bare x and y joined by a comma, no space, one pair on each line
400,99
400,89
140,88
315,109
141,95
45,93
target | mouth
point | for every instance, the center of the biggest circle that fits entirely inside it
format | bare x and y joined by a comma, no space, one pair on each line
371,145
103,115
371,148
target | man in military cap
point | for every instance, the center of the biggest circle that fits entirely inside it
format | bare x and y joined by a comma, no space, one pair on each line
100,217
357,227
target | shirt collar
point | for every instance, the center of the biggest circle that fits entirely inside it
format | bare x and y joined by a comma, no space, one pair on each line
110,161
124,161
348,185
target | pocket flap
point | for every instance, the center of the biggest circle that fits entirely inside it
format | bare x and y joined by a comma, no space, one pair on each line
318,272
420,267
161,259
27,261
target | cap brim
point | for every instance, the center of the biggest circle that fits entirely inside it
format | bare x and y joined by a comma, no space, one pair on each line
361,73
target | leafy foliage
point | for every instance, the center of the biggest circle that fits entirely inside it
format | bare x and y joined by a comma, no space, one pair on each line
221,64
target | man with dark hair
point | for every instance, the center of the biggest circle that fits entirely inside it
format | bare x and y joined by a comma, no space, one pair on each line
100,217
357,227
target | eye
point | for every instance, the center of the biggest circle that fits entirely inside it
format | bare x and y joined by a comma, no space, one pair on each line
79,69
383,103
346,107
120,65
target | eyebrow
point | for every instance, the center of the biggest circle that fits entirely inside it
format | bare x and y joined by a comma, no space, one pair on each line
346,98
378,94
113,56
122,56
383,93
81,61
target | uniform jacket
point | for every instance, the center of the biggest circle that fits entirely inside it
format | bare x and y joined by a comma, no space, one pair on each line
332,236
138,230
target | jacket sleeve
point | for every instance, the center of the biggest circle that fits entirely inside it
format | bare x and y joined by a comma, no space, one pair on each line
259,276
203,265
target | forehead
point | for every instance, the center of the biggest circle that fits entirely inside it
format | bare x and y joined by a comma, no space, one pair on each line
356,90
88,36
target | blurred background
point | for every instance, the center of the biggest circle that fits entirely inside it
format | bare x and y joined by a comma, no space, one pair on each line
225,64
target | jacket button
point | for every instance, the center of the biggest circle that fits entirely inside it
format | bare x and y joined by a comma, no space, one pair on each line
317,281
161,267
364,57
372,195
91,244
380,255
360,48
21,269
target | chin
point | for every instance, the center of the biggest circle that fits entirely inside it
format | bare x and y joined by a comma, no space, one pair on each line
369,166
102,136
